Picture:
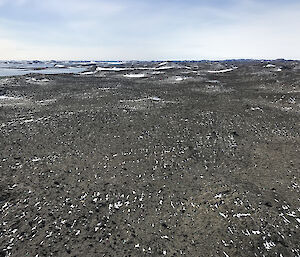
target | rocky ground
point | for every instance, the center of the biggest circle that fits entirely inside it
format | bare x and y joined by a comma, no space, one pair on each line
149,159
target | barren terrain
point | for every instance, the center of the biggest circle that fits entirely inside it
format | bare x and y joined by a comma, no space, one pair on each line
152,159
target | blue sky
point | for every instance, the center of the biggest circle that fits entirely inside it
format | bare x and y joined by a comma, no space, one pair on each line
149,30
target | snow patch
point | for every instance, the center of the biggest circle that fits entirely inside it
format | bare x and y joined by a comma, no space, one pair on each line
179,79
87,73
269,245
4,97
240,215
34,80
157,72
270,66
221,71
142,75
112,69
59,66
162,64
164,68
154,98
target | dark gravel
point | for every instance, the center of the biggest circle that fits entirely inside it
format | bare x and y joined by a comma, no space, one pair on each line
179,162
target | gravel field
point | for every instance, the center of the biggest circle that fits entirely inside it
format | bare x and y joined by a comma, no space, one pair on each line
152,159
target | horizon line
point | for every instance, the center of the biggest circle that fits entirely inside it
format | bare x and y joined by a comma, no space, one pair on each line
135,60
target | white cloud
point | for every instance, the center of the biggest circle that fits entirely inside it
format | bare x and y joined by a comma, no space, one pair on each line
16,50
7,47
94,29
270,35
14,2
79,8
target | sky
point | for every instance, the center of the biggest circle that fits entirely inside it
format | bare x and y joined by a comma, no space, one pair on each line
149,29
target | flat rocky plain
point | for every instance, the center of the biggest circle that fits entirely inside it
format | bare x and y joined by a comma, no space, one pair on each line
170,159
